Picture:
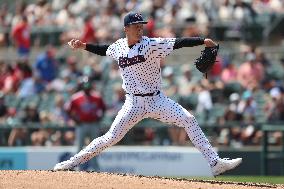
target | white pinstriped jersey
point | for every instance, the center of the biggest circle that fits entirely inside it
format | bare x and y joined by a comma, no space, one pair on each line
140,64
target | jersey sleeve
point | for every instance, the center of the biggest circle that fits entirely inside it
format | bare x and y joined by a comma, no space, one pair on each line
112,51
162,47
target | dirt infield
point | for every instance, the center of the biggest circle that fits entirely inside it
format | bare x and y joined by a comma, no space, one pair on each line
88,180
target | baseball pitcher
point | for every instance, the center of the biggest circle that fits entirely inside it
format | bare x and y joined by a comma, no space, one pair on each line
138,58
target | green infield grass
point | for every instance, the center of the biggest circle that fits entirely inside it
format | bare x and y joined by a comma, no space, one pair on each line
254,179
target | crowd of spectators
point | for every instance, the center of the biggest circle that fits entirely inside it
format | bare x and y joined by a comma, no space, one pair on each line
41,91
85,18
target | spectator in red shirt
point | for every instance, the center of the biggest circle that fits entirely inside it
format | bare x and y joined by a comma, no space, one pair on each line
150,27
21,36
88,31
216,69
11,80
86,107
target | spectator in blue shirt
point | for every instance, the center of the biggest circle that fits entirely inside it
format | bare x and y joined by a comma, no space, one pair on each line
46,65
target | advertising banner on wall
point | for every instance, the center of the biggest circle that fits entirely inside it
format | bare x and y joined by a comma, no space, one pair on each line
141,160
13,159
162,161
42,158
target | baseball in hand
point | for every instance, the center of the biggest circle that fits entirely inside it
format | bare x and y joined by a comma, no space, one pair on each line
209,43
76,44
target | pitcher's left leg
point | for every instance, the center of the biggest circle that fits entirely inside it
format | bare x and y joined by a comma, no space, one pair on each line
131,113
166,110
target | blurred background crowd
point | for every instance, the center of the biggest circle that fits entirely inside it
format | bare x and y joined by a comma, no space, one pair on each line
43,84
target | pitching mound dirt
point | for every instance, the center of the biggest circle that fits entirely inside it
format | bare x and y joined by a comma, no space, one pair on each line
75,179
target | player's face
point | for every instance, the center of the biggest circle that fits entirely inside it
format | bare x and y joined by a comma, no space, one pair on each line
134,31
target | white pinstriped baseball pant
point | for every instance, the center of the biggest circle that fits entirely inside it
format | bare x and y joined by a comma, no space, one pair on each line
137,108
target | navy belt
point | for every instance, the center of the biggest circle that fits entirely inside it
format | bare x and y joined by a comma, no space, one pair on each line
147,94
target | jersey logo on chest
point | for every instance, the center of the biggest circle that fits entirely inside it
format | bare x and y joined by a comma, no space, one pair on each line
125,61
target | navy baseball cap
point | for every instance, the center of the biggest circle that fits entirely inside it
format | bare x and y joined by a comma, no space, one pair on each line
133,18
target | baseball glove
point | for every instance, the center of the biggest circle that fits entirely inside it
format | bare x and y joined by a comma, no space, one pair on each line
207,59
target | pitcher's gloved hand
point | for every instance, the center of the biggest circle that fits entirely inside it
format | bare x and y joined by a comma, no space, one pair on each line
207,59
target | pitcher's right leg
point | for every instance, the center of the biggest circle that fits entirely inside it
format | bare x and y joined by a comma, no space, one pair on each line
130,114
168,111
